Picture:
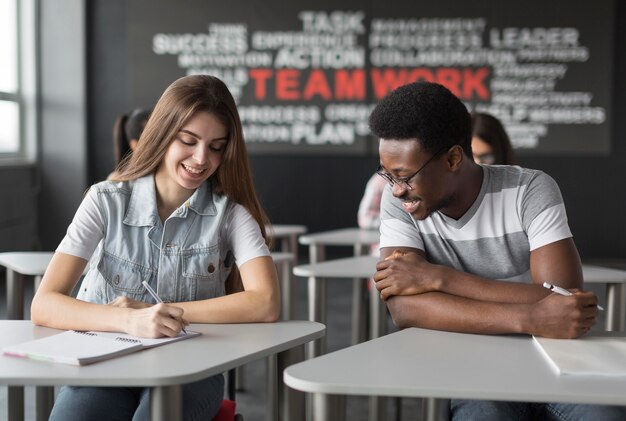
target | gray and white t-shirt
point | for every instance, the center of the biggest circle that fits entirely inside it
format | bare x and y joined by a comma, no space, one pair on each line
517,210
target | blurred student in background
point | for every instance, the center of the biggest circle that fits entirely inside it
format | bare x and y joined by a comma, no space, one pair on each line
490,146
369,209
127,130
490,142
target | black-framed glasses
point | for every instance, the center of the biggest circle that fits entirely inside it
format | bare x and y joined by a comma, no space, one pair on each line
404,181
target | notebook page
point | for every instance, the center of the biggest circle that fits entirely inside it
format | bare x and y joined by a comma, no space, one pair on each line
71,347
590,355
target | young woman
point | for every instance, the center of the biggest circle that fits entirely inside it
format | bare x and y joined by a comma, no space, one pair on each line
180,212
490,142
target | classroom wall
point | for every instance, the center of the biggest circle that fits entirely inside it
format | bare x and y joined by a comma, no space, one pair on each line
321,192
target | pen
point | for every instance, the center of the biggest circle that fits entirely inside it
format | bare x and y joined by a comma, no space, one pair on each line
156,297
562,291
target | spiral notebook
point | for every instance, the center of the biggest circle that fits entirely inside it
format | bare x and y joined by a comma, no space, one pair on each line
82,348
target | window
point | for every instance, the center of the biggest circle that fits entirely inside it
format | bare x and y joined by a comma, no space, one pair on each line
17,76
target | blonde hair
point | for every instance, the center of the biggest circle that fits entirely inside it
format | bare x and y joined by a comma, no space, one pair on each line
180,101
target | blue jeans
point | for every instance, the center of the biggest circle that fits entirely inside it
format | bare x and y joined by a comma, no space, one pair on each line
464,410
201,400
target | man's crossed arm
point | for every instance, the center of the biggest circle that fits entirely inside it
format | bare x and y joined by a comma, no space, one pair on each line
422,294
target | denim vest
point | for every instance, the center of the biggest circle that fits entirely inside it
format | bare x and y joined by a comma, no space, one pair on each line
183,259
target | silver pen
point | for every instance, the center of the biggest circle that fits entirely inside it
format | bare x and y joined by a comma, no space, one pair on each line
562,291
156,297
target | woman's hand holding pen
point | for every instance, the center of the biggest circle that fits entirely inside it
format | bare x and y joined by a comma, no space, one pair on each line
156,321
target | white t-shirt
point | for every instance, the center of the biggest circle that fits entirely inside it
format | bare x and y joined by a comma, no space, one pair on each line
517,210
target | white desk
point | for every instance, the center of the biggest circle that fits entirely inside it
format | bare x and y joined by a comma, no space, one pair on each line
284,263
21,264
360,240
365,267
427,363
359,267
352,237
18,265
219,348
614,280
290,232
288,236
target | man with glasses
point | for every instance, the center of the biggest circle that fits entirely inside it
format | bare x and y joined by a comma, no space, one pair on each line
466,248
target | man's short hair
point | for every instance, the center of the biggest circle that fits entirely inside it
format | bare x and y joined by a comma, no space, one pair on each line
424,111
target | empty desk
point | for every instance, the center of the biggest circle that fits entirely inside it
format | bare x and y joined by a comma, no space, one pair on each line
288,236
615,293
284,261
19,265
360,267
357,238
360,240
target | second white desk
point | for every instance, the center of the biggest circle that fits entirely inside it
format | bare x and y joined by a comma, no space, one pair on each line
427,363
360,240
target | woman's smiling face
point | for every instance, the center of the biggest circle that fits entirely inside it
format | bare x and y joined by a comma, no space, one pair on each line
195,153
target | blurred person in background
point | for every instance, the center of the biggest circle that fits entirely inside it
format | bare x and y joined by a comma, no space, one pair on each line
127,130
490,142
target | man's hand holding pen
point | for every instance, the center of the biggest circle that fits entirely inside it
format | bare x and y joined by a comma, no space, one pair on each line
565,317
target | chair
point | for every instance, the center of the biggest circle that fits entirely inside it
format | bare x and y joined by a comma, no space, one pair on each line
227,412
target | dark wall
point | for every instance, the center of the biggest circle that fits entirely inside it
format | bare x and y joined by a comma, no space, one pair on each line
324,192
18,207
107,80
